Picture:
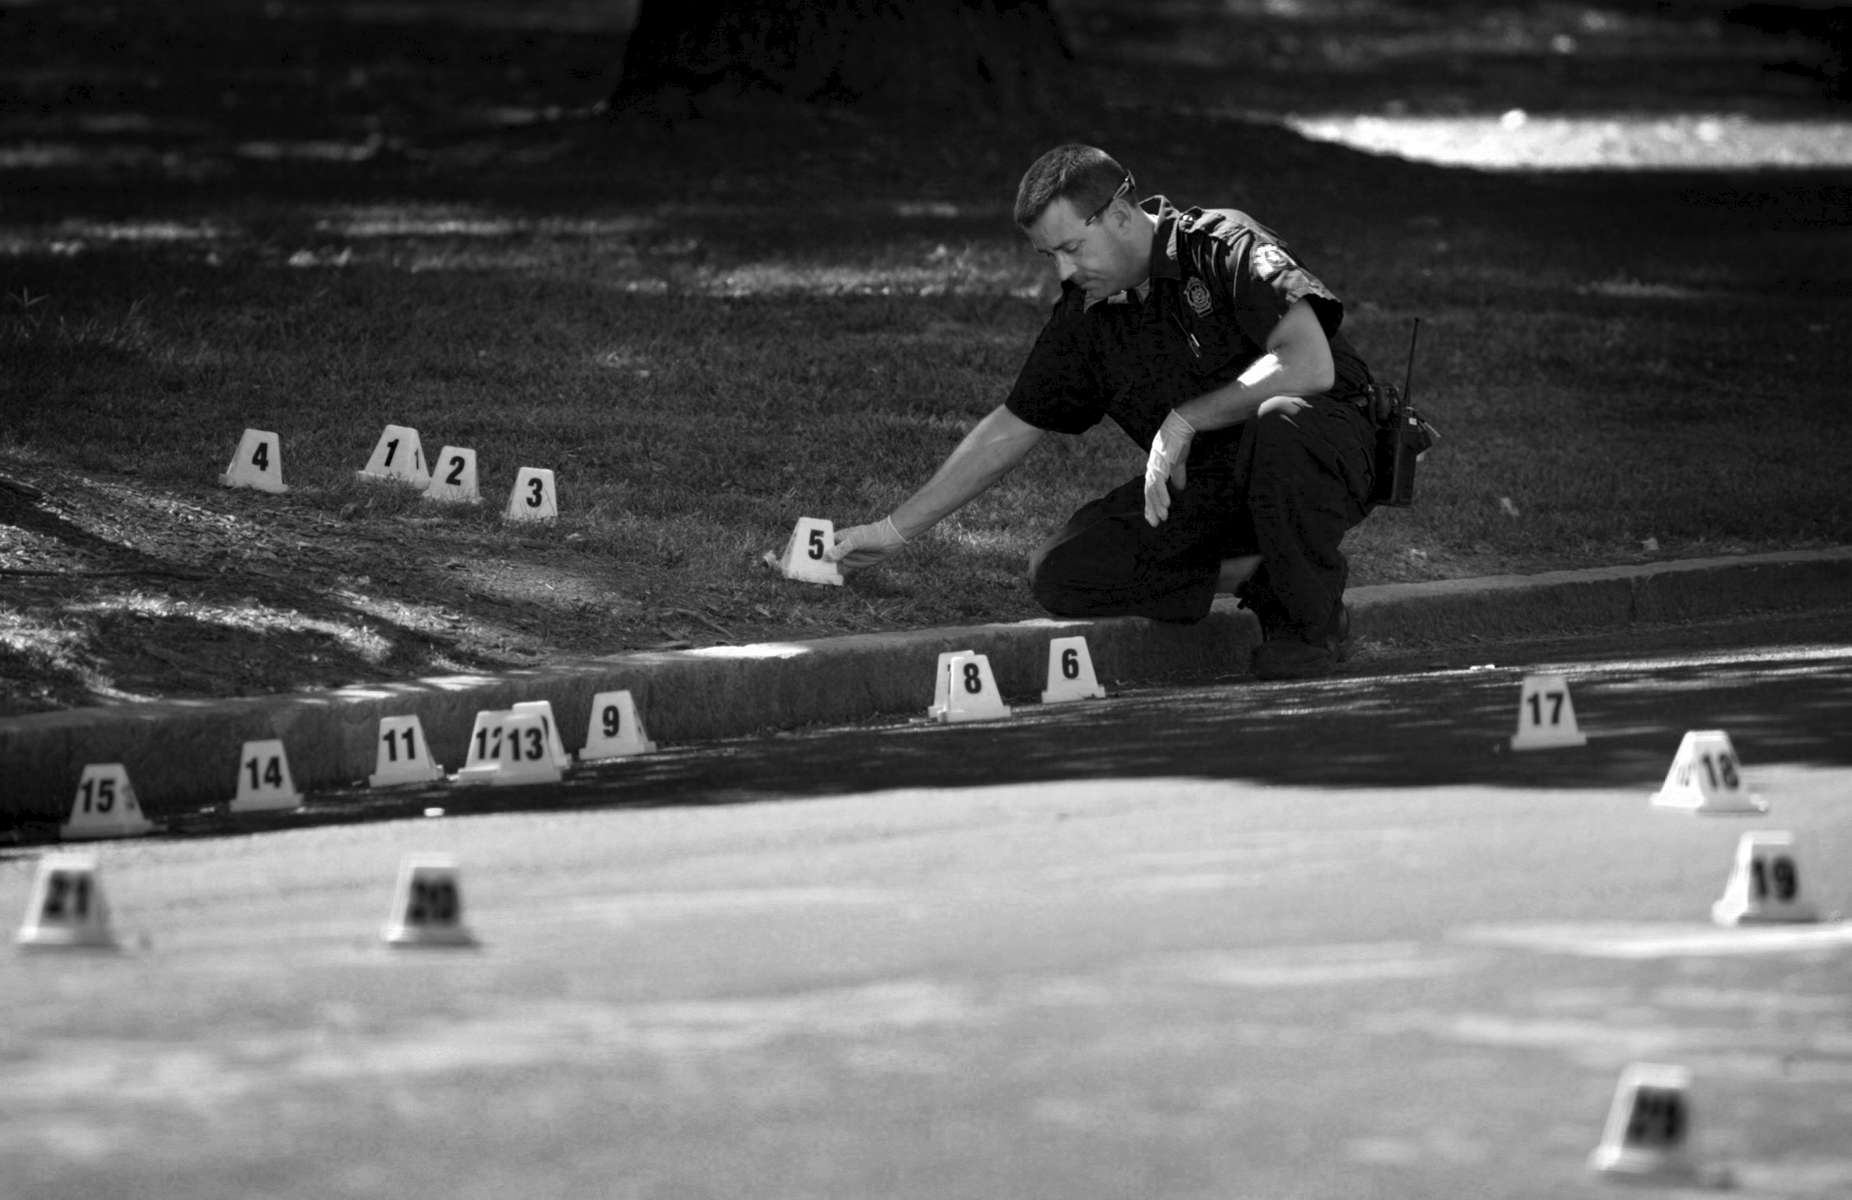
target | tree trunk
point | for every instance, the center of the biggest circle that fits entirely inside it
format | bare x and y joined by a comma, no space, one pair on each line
932,56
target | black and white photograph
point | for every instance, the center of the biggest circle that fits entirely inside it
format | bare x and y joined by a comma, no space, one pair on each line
925,599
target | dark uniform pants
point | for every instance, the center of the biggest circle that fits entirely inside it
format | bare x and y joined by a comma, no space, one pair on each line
1300,480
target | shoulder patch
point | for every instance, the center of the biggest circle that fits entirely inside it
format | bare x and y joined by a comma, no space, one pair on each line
1197,293
1269,260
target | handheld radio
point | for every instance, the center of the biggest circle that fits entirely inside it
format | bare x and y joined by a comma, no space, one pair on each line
1402,439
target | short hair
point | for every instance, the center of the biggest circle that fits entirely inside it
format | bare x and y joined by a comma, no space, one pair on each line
1085,176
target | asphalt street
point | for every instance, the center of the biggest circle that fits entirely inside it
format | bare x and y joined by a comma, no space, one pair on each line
1333,939
1439,715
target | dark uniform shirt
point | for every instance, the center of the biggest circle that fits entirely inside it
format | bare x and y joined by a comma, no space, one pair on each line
1220,281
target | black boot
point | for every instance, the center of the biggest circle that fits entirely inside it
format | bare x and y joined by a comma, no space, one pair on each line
1289,651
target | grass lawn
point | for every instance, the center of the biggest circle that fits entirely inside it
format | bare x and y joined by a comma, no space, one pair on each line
321,218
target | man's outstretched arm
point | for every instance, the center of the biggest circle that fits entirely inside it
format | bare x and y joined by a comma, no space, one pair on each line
988,453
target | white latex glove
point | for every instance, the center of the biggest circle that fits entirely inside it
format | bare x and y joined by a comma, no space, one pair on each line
865,545
1169,449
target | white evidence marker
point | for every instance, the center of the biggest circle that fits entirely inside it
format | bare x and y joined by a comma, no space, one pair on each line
615,729
403,755
427,904
105,806
257,463
1765,883
398,456
805,558
555,746
263,778
453,477
942,683
533,497
1070,672
483,758
972,691
1648,1130
526,756
1707,777
1546,715
67,909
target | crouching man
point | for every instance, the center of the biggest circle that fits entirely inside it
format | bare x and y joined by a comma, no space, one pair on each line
1218,353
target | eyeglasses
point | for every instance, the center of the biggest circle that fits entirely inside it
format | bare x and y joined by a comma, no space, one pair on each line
1099,212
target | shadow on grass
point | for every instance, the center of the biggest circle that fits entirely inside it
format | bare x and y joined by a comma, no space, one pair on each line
129,642
29,516
209,610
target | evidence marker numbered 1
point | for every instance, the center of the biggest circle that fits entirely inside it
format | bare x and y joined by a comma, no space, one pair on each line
399,457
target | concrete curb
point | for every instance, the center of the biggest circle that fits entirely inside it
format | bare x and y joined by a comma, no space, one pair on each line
182,755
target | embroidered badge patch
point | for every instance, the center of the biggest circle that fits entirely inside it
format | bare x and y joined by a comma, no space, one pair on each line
1197,293
1269,260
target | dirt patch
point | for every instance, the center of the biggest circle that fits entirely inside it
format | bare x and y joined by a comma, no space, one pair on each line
117,591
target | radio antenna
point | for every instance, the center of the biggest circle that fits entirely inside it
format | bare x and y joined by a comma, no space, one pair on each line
1408,378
